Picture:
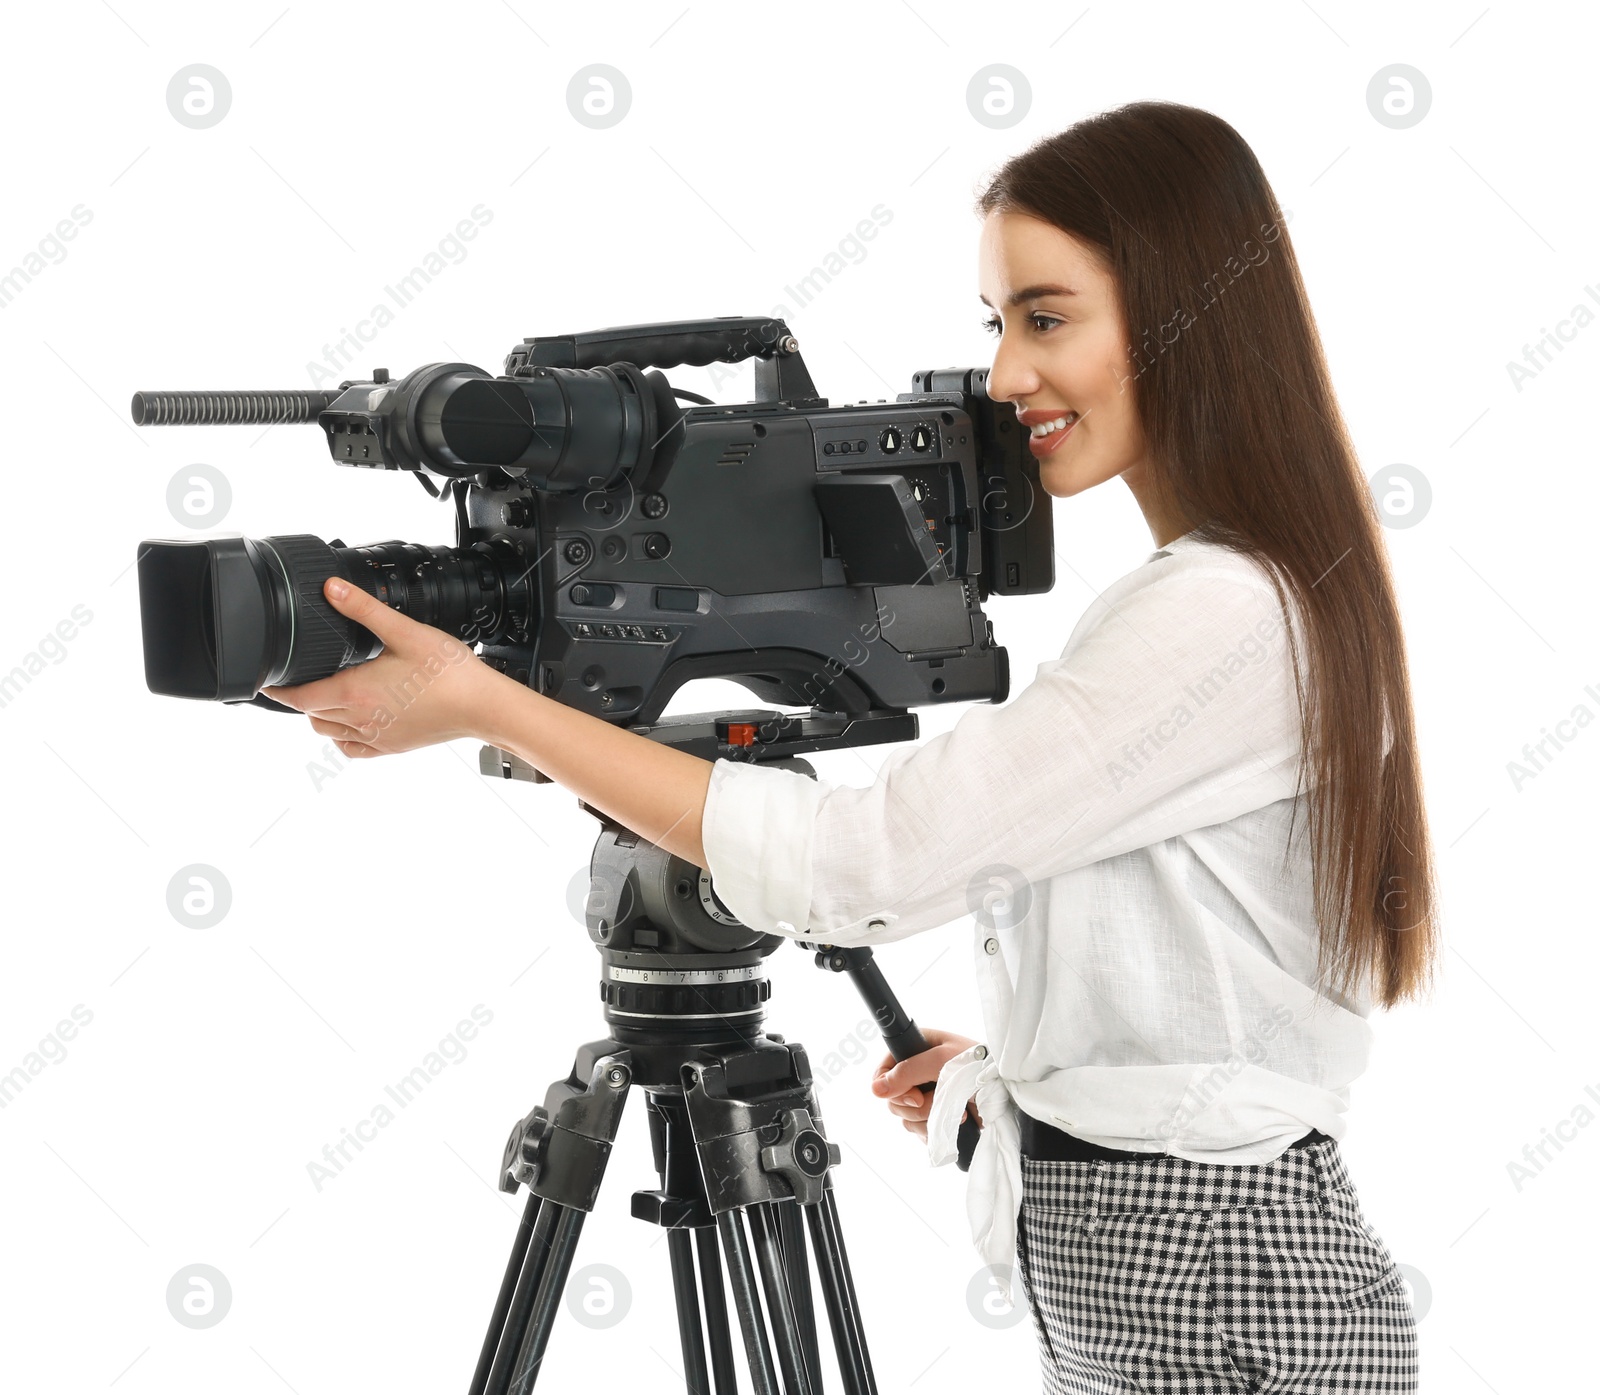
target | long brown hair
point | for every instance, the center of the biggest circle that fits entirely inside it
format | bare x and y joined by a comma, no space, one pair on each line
1246,442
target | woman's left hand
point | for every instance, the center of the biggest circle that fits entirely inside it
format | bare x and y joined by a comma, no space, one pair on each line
425,687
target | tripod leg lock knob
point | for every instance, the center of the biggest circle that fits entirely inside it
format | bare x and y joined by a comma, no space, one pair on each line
802,1156
524,1155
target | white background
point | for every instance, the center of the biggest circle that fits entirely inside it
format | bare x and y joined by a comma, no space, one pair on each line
371,913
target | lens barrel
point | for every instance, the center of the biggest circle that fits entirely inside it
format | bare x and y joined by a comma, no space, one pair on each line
223,618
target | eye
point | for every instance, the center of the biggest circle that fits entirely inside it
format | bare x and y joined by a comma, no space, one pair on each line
992,324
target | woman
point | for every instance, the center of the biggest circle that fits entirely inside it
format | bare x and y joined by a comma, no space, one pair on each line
1204,820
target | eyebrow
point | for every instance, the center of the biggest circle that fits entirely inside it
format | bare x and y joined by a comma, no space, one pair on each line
1030,293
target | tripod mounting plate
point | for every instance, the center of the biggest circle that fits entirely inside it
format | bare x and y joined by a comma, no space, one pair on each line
754,734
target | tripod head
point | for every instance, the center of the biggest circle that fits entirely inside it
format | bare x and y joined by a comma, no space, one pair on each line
680,974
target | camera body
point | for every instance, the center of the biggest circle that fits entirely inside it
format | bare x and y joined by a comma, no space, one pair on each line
612,544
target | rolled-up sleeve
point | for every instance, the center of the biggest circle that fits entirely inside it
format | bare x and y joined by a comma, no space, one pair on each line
758,833
1173,710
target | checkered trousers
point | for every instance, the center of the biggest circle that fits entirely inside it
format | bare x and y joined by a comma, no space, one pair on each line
1165,1275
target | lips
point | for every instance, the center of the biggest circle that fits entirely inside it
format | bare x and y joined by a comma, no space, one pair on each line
1042,445
1038,421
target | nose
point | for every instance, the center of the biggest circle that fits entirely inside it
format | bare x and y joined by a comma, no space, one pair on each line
1011,376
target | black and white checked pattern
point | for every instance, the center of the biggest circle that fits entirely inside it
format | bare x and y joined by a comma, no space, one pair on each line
1165,1275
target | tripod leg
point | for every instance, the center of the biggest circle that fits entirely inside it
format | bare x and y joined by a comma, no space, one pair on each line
780,1304
830,1208
855,1366
688,1304
716,1312
792,1236
552,1284
533,1267
502,1304
743,1276
672,1145
553,1239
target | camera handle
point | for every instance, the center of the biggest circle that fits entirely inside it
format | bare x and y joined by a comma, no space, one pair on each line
781,374
900,1033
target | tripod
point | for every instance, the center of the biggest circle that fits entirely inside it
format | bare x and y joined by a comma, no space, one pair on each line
735,1130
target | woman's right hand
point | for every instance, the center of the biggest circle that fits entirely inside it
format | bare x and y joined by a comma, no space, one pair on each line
908,1084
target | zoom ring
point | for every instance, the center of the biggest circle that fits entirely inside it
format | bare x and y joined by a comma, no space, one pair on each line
322,637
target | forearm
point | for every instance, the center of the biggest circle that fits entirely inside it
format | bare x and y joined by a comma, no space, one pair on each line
656,791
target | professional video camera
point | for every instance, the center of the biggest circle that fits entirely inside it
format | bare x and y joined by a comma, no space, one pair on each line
612,545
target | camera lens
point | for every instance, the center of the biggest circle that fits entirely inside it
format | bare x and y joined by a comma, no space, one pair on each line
225,617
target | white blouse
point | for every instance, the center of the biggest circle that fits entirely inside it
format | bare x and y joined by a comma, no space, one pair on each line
1120,834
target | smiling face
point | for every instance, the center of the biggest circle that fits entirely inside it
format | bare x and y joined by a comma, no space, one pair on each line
1062,348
